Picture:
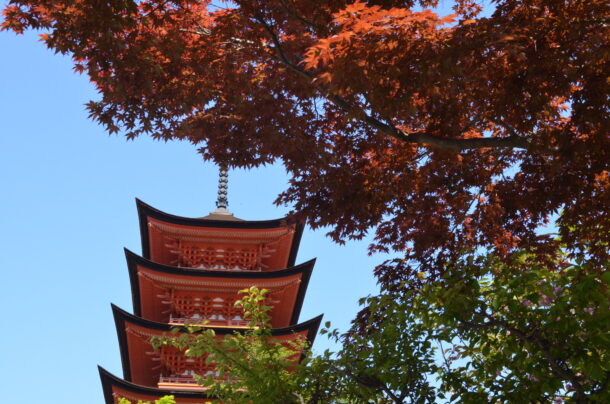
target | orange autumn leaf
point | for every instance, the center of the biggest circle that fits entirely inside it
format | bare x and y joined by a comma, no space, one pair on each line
432,134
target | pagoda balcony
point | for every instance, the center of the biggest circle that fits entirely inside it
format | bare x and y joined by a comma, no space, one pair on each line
234,323
184,381
179,382
190,255
219,267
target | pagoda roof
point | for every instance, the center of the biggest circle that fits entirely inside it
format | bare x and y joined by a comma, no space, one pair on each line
146,328
114,385
202,279
216,226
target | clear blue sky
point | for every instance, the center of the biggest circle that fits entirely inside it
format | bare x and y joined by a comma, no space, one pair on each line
67,210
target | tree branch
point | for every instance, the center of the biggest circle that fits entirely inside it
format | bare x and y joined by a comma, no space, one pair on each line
449,144
294,14
560,371
556,367
299,397
602,387
455,144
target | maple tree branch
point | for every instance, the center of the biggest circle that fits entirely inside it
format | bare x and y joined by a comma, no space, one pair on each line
280,52
506,126
294,14
449,144
458,144
335,99
200,31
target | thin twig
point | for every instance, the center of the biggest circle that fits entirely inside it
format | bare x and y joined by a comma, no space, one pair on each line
450,144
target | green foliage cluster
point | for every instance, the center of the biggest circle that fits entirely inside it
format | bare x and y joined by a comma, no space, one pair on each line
251,365
531,328
162,400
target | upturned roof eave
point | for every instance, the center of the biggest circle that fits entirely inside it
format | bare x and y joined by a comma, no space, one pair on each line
109,380
133,260
145,211
121,317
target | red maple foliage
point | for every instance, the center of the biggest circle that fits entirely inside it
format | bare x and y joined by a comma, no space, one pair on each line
445,134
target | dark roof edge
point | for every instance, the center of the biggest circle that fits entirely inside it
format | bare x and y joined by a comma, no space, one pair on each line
119,323
296,242
298,302
121,317
134,281
311,334
108,380
313,325
147,210
141,206
134,259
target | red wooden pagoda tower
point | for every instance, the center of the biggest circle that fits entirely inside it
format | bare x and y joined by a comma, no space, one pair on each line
191,271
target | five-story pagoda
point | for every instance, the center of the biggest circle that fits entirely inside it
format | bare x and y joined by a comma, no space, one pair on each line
191,272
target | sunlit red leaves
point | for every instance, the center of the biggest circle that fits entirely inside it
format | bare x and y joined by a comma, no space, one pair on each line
215,77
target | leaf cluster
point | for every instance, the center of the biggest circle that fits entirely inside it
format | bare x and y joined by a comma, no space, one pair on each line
526,330
533,328
441,133
250,365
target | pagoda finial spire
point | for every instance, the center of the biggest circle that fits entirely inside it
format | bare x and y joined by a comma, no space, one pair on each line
222,201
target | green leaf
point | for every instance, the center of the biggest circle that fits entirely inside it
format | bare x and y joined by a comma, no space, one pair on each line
606,277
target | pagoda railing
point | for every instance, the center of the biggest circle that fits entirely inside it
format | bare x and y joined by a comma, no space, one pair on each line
180,382
177,380
218,267
208,323
191,255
